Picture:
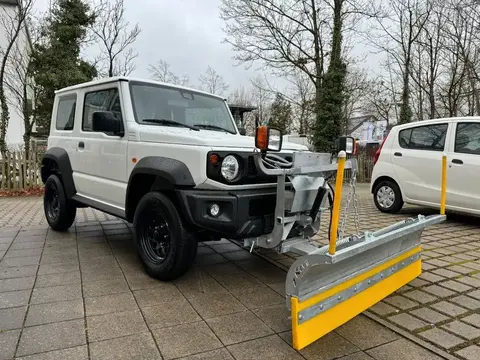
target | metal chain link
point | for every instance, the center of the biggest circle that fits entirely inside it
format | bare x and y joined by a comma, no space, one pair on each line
351,192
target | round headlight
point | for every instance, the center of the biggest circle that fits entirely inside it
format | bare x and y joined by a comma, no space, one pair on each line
230,168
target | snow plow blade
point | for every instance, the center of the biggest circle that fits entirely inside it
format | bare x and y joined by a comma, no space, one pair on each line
324,291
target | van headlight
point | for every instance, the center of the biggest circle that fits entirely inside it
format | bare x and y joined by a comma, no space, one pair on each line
230,168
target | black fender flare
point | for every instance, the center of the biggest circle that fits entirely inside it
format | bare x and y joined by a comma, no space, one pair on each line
170,174
63,167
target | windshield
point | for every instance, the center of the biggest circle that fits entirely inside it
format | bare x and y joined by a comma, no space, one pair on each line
183,106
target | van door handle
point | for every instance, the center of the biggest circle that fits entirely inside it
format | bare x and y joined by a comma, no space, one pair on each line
398,154
457,161
81,145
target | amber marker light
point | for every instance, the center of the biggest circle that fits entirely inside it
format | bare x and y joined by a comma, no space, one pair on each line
214,159
261,139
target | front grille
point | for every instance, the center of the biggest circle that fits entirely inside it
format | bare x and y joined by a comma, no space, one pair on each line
252,170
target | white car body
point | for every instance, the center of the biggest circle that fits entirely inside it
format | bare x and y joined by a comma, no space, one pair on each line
102,167
411,158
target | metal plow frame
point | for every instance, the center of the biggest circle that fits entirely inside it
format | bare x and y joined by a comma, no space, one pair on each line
327,286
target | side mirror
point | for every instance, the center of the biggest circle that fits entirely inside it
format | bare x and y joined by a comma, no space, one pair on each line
347,144
267,138
105,121
242,131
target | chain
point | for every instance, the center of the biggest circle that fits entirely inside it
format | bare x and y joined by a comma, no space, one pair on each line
355,201
351,193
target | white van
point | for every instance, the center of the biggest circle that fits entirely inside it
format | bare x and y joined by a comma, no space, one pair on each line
408,164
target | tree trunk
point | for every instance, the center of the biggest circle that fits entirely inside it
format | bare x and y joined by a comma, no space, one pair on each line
26,140
405,109
4,118
475,92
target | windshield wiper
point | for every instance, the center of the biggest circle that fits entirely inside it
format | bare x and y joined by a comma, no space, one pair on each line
170,122
212,127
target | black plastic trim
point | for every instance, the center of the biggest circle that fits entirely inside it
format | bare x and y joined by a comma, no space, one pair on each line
248,173
239,216
174,172
170,174
99,206
60,157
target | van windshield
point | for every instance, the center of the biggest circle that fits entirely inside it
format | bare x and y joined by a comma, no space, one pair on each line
170,105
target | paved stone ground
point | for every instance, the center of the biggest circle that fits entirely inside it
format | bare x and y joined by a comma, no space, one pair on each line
84,295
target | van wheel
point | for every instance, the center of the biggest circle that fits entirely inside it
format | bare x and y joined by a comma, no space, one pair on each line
387,197
59,211
165,246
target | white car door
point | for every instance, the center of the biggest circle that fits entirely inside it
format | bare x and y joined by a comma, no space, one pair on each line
417,160
101,171
463,170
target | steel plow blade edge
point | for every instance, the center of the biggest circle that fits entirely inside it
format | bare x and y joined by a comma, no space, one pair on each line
324,292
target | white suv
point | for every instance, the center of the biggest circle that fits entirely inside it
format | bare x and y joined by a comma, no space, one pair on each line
168,159
408,165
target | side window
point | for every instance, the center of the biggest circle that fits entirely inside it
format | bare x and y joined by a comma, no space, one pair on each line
102,100
467,138
428,137
66,112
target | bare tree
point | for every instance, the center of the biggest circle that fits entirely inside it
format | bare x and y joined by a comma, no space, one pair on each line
12,26
113,32
262,96
381,99
397,34
461,30
356,90
22,89
161,72
241,96
212,82
303,98
428,59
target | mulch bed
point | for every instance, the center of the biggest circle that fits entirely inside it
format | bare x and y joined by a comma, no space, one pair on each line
36,191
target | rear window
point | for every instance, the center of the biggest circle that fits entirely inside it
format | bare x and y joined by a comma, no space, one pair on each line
427,137
66,112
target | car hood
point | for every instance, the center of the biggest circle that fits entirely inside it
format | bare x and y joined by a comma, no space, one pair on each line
214,139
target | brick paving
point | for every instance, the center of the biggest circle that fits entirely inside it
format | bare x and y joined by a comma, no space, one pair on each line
84,295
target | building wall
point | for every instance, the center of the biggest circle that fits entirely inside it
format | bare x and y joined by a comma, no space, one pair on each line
16,63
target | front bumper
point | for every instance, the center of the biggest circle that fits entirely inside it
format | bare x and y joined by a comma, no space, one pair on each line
245,213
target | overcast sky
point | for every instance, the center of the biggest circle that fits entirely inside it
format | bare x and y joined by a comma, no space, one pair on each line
187,34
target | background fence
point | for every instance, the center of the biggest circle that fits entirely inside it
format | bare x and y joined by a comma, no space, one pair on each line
20,171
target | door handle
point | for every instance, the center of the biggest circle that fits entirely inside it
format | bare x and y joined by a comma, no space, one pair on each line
398,154
457,161
81,145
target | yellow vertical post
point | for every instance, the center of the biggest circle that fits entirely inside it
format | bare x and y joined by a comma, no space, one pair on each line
342,156
443,197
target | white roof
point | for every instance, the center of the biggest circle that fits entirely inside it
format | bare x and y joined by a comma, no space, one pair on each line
438,120
127,78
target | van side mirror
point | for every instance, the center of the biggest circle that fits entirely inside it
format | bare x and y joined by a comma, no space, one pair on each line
105,121
268,138
347,144
242,131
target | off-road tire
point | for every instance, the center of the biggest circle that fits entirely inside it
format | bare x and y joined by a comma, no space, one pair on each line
397,203
59,211
156,208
